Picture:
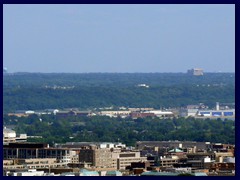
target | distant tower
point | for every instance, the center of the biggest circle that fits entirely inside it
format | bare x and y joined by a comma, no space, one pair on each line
195,71
217,106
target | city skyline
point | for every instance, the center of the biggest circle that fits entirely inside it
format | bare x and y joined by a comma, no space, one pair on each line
118,38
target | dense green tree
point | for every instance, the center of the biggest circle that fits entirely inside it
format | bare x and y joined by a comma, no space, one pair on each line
100,128
33,91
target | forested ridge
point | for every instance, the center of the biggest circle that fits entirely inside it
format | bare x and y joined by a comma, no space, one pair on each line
23,91
36,91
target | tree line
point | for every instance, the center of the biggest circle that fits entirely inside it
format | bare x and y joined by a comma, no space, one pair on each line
105,129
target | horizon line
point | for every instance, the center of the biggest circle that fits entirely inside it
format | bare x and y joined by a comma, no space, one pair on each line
109,72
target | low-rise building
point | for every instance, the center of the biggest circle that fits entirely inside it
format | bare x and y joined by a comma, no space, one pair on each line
10,135
29,172
66,113
122,114
167,145
123,159
26,150
168,161
222,168
38,163
135,115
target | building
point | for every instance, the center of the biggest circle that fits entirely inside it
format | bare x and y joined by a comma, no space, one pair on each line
96,156
9,135
29,172
141,165
140,109
85,172
113,173
160,113
188,112
121,114
155,173
24,150
200,160
70,113
143,85
202,111
226,114
166,145
109,156
37,163
223,148
123,159
135,115
168,161
195,72
150,151
223,168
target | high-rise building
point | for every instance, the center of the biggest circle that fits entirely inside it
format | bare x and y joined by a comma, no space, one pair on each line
195,71
116,158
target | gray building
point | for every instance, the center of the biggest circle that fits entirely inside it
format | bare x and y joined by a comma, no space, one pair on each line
173,144
195,72
26,150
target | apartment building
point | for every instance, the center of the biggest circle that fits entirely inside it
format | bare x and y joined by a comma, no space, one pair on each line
96,156
99,156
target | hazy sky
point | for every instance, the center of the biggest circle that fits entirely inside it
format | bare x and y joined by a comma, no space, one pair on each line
118,38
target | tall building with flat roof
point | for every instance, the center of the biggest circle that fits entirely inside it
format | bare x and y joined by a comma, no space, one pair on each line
195,71
104,157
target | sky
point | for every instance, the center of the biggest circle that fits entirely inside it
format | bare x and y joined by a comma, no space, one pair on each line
84,38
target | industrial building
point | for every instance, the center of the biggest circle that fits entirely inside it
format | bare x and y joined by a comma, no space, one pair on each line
198,111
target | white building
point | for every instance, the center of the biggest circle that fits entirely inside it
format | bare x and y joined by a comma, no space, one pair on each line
9,135
122,114
160,113
143,85
30,172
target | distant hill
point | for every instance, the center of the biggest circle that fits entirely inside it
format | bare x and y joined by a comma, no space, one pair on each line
85,90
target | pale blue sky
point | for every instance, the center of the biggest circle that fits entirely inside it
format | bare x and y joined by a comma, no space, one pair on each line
118,38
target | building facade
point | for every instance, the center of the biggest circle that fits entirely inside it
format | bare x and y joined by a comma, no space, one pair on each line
35,150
